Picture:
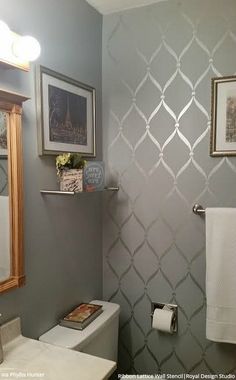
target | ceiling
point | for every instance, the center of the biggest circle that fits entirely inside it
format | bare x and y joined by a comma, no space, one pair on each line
111,6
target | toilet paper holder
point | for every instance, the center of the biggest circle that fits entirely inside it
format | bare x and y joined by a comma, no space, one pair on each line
174,308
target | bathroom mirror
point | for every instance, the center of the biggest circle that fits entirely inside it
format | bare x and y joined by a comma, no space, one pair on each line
11,192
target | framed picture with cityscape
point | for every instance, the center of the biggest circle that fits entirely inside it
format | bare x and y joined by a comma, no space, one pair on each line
3,134
223,117
66,114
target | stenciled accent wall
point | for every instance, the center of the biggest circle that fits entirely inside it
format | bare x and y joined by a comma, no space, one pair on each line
158,62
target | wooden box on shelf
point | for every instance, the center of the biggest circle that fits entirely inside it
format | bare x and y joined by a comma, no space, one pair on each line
71,180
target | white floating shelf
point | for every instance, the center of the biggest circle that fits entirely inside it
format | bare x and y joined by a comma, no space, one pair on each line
58,192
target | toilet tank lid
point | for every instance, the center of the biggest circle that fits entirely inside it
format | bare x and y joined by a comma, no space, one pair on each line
76,339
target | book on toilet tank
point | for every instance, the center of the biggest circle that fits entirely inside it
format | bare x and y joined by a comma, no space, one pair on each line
81,316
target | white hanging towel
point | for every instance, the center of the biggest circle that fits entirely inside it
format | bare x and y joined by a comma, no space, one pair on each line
221,274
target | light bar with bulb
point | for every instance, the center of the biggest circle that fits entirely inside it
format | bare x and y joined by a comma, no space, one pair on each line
15,50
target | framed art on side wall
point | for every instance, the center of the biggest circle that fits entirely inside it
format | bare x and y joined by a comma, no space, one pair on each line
66,114
223,128
3,134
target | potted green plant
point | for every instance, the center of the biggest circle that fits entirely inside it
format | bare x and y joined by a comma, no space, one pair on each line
70,171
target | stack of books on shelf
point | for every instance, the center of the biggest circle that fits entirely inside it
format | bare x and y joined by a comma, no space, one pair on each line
81,316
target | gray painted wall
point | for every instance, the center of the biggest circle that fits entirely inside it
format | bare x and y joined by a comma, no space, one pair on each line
63,254
157,66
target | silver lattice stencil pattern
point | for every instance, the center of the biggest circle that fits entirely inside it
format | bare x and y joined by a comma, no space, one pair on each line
158,64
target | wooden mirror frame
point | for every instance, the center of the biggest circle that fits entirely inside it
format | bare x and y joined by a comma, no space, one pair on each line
11,103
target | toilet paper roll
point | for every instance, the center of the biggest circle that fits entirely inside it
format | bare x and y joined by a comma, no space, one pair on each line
163,320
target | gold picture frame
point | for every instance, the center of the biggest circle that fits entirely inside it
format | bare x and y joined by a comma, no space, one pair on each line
11,103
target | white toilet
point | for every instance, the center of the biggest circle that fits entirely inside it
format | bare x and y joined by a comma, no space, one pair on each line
99,338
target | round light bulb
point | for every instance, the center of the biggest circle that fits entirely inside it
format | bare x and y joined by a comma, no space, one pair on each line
26,48
4,28
5,36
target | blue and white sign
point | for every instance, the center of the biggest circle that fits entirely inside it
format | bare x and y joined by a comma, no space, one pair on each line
94,176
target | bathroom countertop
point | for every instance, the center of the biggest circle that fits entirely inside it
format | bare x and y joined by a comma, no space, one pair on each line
26,358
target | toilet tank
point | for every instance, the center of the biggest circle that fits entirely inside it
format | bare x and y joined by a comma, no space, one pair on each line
99,338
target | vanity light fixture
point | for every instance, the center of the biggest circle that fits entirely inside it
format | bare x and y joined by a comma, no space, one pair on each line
15,50
5,35
26,47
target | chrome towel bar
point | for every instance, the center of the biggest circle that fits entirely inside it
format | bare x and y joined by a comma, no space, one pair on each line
198,209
